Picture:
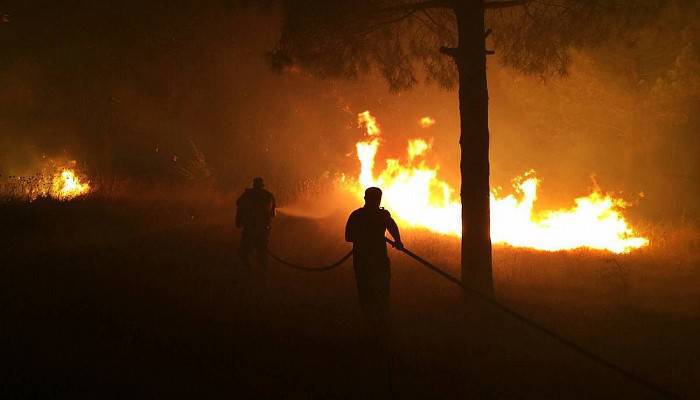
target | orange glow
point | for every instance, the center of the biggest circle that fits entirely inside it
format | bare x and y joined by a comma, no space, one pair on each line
418,198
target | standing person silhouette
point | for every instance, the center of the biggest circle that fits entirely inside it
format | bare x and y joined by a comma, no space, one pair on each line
256,208
365,229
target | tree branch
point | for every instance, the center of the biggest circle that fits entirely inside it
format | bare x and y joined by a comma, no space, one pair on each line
380,24
423,5
496,4
439,25
404,11
450,51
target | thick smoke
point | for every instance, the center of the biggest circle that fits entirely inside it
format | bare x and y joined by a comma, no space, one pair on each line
180,92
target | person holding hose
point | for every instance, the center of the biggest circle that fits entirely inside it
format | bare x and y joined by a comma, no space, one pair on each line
365,229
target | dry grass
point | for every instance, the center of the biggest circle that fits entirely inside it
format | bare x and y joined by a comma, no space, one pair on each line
157,269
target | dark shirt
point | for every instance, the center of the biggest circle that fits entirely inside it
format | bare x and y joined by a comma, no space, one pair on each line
256,207
365,229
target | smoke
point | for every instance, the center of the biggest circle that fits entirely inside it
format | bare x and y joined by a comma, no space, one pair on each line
146,91
624,113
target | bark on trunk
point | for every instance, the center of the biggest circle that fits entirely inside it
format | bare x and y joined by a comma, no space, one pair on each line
474,141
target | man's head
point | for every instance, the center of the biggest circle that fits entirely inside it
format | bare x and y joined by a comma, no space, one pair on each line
258,183
373,197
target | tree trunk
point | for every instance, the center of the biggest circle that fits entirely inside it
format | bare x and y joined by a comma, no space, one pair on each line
470,57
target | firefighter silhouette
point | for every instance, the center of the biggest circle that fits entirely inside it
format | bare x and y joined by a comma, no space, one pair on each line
256,208
365,229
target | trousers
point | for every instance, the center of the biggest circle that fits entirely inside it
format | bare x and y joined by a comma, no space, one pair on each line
373,276
254,241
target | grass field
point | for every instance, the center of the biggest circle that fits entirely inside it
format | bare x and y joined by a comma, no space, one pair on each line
117,297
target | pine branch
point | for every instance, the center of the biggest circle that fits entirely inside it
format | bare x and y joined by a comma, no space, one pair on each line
423,5
496,5
440,26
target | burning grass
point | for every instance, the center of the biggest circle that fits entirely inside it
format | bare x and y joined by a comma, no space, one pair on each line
660,278
57,180
417,197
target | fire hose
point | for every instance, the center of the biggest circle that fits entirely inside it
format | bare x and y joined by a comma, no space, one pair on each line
630,375
310,269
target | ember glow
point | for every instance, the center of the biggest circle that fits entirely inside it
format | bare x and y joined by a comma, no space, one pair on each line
418,198
426,122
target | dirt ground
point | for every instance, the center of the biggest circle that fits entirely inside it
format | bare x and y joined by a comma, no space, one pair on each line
103,299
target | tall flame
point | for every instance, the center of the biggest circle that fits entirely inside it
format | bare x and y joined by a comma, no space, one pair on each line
366,151
418,198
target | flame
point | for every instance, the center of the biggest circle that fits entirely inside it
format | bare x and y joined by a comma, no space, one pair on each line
426,122
418,198
367,150
417,147
595,221
56,179
369,122
66,185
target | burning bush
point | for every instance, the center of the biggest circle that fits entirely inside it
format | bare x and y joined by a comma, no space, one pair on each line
58,180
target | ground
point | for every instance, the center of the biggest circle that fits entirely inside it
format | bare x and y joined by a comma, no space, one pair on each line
106,298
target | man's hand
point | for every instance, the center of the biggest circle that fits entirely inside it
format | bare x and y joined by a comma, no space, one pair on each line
398,245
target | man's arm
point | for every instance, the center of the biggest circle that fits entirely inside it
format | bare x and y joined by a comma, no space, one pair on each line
394,231
240,211
350,230
273,206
